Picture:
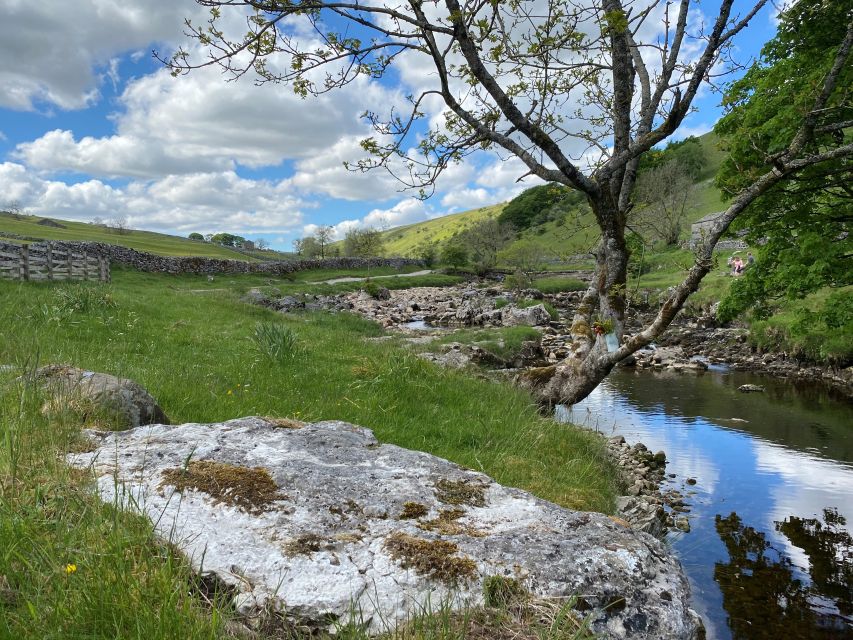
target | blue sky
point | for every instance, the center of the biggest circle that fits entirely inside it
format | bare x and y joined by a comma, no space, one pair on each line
92,126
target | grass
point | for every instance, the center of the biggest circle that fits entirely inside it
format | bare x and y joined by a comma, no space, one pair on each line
795,329
196,356
504,342
158,243
403,240
558,285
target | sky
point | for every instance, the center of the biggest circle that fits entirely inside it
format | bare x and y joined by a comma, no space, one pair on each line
93,126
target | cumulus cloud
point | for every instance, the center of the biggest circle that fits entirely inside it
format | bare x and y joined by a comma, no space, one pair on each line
50,50
200,123
204,201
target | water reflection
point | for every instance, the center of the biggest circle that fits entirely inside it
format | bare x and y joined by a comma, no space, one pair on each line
763,594
780,457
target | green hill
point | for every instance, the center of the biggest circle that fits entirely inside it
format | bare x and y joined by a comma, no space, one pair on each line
157,243
573,234
403,240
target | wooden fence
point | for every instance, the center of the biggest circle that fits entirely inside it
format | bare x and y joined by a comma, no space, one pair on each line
46,262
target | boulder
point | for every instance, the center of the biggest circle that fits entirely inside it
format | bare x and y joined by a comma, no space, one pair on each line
320,520
115,402
533,316
750,388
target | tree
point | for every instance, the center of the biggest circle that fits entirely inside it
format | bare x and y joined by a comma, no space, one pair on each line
428,252
687,154
364,243
661,200
262,244
454,254
545,82
527,259
228,239
533,205
483,240
118,225
196,236
804,224
323,236
307,247
14,209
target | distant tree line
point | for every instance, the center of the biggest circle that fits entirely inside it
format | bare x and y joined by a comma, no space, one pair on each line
229,240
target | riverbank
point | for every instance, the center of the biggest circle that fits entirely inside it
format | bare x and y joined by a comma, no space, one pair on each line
84,570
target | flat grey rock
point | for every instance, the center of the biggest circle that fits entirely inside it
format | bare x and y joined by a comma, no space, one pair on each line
320,518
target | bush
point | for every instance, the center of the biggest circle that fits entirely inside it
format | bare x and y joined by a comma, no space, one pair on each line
454,254
274,341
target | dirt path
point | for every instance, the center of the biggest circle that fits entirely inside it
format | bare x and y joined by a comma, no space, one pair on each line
353,279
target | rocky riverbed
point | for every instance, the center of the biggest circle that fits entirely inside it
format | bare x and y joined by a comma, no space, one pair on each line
689,346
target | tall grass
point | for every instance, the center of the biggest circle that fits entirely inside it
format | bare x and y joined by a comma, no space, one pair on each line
71,567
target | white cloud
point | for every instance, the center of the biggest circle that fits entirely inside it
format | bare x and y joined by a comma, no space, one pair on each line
49,50
200,123
197,202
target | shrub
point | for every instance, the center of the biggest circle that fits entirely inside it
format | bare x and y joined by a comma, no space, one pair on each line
372,289
274,341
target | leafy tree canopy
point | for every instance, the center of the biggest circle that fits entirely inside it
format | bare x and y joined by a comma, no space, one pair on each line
533,205
687,154
803,225
228,239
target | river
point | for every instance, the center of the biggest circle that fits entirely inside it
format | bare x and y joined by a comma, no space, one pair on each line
769,554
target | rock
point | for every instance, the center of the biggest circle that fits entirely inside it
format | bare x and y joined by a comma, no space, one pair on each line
383,293
682,524
750,388
533,316
114,402
313,519
255,296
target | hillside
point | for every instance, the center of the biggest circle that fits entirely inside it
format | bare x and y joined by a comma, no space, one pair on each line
403,240
575,233
157,243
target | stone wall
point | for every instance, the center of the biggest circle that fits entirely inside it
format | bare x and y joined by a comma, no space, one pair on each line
200,265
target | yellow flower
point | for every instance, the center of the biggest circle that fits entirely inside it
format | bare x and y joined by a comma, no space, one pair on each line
229,392
70,568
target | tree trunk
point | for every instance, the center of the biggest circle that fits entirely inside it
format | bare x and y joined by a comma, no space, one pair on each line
602,310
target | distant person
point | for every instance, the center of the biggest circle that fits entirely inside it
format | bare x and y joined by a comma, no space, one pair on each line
750,259
737,266
730,263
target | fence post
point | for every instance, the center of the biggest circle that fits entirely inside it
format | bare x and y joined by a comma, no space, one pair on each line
24,267
85,266
103,268
69,260
50,261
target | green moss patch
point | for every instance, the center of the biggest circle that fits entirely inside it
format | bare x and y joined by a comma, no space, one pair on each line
251,489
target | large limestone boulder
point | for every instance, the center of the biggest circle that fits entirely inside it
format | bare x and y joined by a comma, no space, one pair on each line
319,520
99,398
534,316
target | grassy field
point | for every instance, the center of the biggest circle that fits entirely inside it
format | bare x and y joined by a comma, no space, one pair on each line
72,568
158,243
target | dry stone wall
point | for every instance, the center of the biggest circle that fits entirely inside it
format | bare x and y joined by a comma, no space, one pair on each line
150,262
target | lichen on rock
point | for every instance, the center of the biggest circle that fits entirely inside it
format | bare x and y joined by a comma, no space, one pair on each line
337,544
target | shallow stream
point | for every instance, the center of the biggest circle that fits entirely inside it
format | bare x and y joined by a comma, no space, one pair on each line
769,554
